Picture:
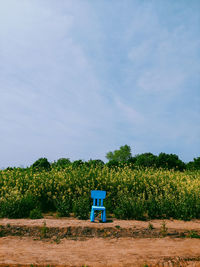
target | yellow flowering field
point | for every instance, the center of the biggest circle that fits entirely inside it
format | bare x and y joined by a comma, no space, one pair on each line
131,193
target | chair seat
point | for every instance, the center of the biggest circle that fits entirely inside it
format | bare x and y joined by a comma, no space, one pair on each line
98,208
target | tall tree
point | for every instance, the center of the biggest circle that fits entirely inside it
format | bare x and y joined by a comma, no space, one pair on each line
122,154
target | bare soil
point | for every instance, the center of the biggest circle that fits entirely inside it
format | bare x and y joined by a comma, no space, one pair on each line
72,242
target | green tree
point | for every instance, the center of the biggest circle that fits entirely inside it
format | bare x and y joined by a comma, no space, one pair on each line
41,164
194,165
61,163
146,160
170,161
95,163
121,155
77,163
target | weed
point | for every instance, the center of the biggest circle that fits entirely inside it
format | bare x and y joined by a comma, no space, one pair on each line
44,230
163,229
193,234
57,240
150,226
1,233
35,214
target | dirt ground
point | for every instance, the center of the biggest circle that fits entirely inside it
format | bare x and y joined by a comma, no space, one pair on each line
26,249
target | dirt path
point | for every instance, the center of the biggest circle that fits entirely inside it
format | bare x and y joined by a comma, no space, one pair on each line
65,222
22,244
101,252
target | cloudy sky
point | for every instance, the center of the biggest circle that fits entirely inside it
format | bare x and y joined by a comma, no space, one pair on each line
79,78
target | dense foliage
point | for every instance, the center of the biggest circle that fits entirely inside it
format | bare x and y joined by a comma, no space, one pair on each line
132,193
41,164
122,154
163,160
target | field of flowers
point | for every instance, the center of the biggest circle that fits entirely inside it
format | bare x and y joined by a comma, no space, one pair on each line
131,193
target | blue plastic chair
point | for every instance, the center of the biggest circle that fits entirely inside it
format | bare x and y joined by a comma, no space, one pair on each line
98,196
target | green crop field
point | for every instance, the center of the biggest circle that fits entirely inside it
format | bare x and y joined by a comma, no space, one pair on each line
131,193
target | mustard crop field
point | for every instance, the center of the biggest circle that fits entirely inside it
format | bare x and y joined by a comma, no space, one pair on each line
131,193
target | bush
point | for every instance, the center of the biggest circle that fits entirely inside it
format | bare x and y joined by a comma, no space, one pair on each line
109,205
63,207
35,214
130,208
17,208
81,208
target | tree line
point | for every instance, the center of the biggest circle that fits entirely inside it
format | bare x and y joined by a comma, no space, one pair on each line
121,158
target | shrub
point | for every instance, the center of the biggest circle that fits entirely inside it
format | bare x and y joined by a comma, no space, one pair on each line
130,208
63,207
35,214
17,207
81,208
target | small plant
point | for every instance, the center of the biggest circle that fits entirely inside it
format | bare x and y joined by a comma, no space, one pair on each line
117,226
35,214
193,234
163,229
1,230
44,230
57,240
150,226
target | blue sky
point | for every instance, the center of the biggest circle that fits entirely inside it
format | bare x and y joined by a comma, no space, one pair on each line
79,78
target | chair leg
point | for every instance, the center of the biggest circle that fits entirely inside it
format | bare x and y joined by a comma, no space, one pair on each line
92,216
103,216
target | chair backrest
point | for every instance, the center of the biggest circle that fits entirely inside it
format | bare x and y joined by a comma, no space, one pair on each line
97,195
